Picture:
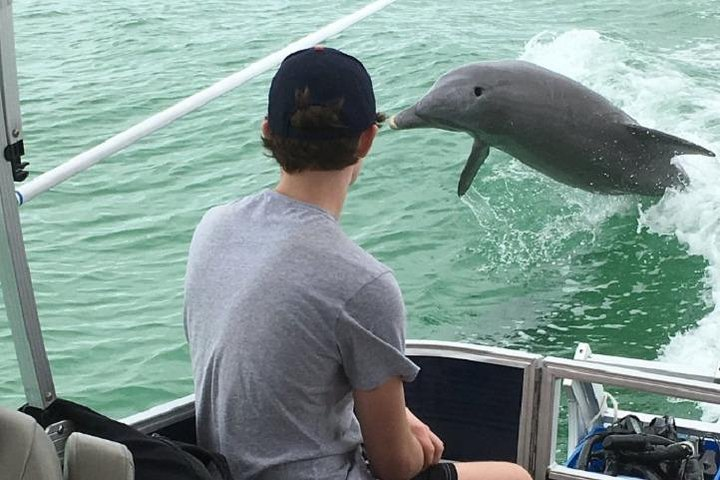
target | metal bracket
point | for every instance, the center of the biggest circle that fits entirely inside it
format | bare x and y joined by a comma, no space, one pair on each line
13,154
584,401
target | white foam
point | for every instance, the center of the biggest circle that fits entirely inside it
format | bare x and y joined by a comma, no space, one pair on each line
581,55
652,88
693,217
524,239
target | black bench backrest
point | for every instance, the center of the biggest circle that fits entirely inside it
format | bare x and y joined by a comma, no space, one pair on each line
474,407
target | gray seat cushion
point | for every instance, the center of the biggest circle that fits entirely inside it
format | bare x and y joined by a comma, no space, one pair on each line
92,458
26,452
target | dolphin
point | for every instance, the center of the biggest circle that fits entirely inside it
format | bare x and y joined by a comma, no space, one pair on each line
552,124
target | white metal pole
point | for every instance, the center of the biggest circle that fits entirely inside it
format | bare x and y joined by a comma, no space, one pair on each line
122,140
14,272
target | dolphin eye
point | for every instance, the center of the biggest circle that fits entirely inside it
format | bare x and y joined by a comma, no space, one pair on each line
478,91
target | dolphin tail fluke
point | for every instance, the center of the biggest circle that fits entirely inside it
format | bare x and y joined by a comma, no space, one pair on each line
478,154
669,143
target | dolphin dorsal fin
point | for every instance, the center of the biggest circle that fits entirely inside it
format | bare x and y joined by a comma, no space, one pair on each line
667,142
478,154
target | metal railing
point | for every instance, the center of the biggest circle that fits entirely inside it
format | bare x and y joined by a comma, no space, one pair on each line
122,140
584,352
585,399
527,362
179,410
556,369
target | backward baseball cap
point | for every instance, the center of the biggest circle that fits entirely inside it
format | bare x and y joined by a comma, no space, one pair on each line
329,75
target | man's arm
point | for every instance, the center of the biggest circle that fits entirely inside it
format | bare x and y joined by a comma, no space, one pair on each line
398,445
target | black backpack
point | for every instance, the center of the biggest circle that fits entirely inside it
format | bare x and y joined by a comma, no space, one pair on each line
155,457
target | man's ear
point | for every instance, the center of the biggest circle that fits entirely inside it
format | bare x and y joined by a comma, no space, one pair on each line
366,141
265,129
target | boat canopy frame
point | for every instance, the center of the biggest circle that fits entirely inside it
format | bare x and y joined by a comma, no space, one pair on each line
15,278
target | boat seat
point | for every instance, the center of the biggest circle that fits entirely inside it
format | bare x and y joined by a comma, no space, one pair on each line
26,453
89,458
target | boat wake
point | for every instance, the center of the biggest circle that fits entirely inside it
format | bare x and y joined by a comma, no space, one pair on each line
660,92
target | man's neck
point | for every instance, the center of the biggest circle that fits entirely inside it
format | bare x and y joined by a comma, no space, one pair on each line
327,190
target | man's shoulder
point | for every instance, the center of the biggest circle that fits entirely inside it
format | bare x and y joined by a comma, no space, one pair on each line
247,201
221,212
356,257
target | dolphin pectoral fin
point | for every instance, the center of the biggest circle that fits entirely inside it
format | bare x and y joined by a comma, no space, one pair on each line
668,143
478,154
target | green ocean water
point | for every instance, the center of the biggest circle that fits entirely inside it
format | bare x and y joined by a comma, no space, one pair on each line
520,262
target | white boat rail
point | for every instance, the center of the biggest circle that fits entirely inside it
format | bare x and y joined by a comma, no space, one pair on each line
585,399
122,140
554,370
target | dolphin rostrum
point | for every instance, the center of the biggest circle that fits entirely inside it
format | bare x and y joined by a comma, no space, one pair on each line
551,123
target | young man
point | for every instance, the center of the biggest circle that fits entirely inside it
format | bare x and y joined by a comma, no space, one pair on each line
292,326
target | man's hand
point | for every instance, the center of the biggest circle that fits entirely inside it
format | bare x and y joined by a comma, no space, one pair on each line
431,444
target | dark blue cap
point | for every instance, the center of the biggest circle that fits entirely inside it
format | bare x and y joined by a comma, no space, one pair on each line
329,75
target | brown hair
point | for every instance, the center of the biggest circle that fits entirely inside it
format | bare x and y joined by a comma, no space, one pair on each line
296,155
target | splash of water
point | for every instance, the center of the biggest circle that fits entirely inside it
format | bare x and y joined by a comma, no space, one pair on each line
693,216
654,90
570,216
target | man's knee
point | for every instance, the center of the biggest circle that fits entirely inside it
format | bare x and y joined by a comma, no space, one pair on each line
516,472
491,471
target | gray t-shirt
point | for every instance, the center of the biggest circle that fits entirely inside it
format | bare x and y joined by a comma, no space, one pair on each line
285,316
